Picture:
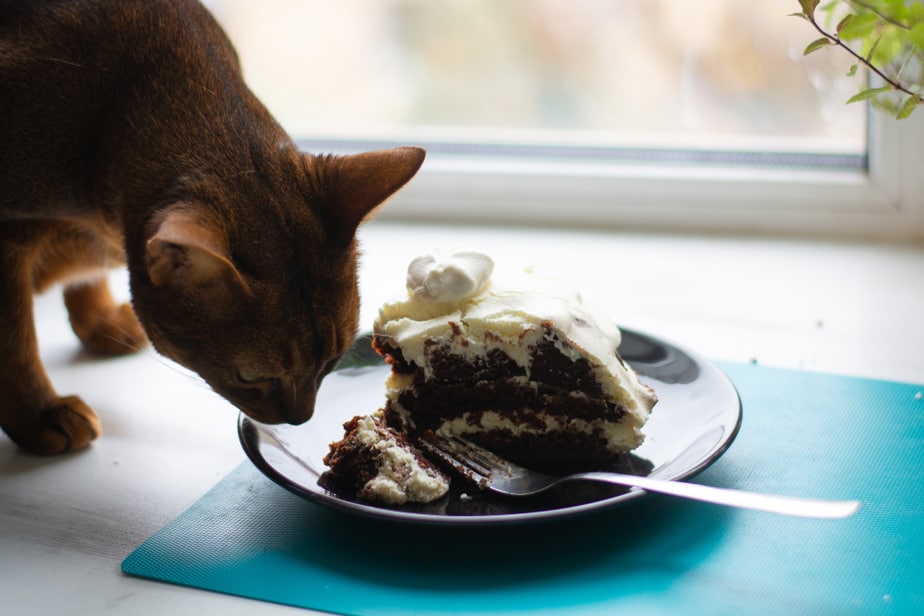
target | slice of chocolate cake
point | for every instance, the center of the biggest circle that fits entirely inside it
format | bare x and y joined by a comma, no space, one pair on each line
520,365
375,463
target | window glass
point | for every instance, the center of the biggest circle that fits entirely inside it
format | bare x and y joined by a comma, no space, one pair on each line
640,75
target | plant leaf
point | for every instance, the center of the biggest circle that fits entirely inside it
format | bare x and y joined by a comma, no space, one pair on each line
808,6
859,27
908,106
842,23
868,94
872,50
916,36
853,70
816,45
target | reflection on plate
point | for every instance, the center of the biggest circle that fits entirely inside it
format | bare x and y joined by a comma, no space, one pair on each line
694,422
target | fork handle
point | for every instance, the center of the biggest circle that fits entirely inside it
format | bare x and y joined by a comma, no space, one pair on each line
786,505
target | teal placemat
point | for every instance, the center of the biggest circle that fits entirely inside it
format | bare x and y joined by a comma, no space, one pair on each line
803,433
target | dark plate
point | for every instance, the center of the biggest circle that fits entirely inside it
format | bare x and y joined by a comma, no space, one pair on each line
694,422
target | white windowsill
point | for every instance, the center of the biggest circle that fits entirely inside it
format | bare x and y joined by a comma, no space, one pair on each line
886,202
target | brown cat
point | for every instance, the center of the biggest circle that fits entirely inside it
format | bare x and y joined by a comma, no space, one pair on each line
127,135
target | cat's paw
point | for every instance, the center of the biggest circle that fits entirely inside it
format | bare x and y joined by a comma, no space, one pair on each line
67,424
111,331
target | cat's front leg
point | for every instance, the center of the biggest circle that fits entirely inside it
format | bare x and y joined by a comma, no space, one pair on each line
31,412
103,325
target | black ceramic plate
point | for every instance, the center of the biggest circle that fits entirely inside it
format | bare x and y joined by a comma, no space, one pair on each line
694,422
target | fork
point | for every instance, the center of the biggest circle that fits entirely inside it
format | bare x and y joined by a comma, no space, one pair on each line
493,473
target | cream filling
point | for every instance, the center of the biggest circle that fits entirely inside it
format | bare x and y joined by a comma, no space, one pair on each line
619,436
400,476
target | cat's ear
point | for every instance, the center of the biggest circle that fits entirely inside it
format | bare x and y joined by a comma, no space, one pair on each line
359,183
185,252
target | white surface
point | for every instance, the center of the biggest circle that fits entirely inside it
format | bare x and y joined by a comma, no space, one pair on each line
66,523
884,201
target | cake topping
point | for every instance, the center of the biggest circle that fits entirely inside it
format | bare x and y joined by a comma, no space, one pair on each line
506,303
451,278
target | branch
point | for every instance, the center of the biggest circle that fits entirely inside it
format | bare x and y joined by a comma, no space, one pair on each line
880,14
897,85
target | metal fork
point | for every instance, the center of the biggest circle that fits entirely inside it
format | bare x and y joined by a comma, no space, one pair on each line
493,473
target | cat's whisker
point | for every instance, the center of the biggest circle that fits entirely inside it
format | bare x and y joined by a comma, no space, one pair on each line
132,341
190,377
294,391
140,343
127,336
178,369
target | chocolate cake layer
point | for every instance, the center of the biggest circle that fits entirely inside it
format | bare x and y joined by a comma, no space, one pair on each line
439,400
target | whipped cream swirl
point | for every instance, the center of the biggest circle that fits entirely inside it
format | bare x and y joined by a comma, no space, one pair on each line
450,278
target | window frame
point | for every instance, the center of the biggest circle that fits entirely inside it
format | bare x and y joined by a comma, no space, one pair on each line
885,199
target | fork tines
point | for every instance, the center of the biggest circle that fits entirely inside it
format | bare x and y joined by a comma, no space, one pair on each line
467,458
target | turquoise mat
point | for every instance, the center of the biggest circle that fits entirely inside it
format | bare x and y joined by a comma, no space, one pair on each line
803,433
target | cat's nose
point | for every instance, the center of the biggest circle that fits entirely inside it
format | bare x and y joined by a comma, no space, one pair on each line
279,400
298,406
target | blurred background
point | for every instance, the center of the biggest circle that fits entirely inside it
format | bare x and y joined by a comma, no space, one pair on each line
710,74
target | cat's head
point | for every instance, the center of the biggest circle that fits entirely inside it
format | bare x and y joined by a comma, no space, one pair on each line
260,298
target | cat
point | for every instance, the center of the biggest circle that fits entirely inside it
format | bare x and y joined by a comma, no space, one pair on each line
128,137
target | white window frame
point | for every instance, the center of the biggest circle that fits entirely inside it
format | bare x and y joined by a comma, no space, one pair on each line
886,200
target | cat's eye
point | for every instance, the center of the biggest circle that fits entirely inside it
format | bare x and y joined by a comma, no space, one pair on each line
250,378
259,384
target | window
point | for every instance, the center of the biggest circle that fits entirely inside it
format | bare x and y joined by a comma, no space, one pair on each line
657,113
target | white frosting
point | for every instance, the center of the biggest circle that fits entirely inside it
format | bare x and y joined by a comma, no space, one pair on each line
456,277
400,476
510,312
619,437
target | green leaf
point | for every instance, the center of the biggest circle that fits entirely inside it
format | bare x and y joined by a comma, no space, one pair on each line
915,12
808,6
860,26
908,106
868,94
853,70
916,36
872,50
842,23
816,45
